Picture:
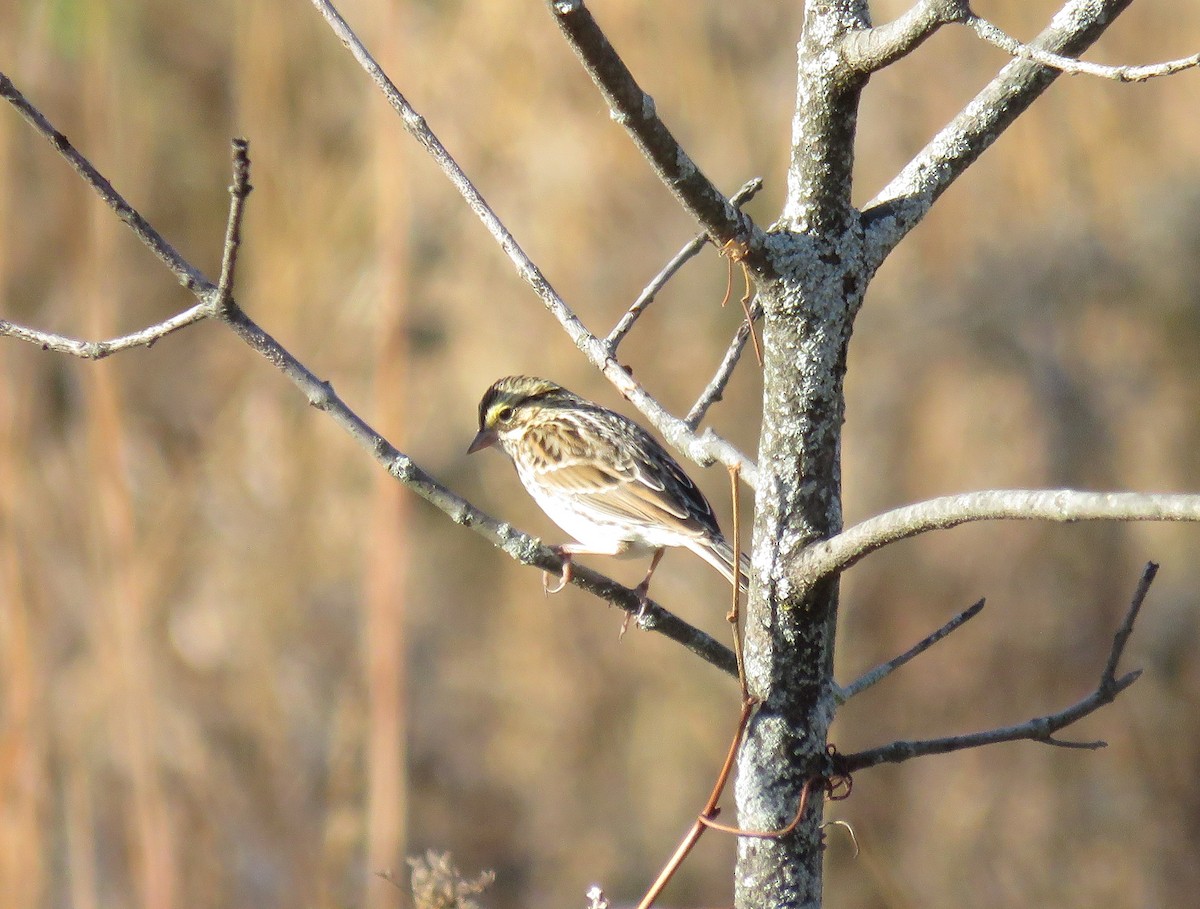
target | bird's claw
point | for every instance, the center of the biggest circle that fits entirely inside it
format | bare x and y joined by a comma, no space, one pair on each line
563,581
642,612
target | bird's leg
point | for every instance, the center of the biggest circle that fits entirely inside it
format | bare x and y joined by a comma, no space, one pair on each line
567,550
565,553
642,590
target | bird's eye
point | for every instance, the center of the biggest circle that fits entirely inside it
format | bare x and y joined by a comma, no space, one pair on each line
504,414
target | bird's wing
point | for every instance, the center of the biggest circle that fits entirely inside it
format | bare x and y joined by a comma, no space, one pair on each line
640,483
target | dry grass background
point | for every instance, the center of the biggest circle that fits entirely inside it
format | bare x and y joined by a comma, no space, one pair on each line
240,668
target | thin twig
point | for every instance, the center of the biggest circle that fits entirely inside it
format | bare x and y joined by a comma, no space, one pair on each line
734,616
98,350
716,386
883,670
707,813
1121,638
905,201
211,304
688,252
1039,729
238,191
189,277
706,819
1063,505
1070,65
706,448
728,281
634,110
681,852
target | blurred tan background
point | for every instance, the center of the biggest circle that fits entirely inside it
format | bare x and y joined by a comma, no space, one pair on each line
241,668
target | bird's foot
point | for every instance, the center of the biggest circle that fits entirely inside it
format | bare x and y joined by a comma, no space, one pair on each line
641,590
563,580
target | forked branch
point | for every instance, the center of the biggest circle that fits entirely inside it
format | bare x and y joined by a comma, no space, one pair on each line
901,205
872,49
635,111
217,302
188,276
1125,73
748,191
1039,729
705,448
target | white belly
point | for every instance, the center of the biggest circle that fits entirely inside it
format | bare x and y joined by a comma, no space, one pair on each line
600,534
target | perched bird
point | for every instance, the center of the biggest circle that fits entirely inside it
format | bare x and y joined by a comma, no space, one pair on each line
600,477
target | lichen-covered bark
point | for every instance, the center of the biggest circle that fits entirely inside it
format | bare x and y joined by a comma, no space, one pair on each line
790,629
818,262
809,302
824,122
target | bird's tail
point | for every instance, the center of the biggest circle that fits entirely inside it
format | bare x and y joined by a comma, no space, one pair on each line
719,554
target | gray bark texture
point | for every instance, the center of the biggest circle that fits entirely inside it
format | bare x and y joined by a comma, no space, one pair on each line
808,305
812,275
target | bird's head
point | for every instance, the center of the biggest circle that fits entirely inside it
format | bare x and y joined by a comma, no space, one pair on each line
514,403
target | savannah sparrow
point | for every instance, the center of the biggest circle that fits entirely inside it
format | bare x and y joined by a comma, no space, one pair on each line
600,477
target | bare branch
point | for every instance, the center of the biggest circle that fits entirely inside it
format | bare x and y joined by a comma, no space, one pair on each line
522,547
734,617
238,192
716,386
1069,65
868,50
650,291
1040,729
220,303
213,300
1065,505
883,670
1121,638
188,276
901,205
98,350
688,252
634,109
706,448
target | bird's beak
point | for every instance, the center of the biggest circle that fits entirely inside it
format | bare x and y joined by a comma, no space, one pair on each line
485,438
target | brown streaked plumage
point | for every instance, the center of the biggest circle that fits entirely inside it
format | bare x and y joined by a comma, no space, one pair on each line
600,477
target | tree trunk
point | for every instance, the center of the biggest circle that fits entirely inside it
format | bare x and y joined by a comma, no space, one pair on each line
809,305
